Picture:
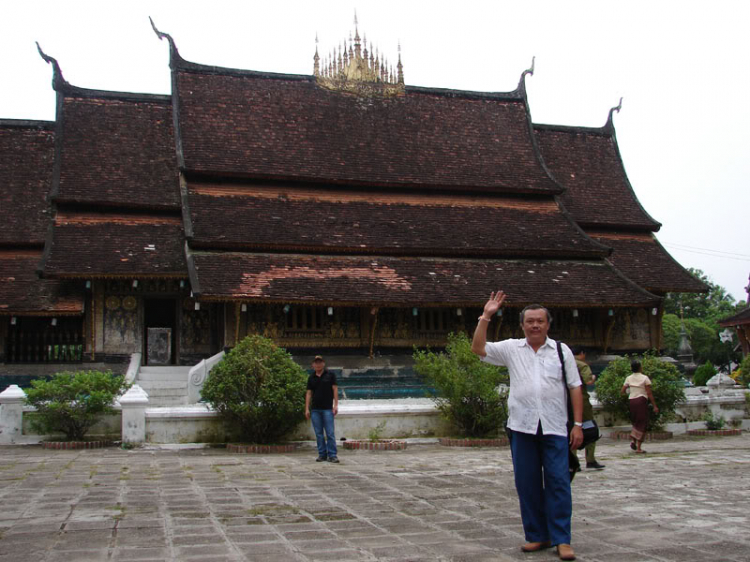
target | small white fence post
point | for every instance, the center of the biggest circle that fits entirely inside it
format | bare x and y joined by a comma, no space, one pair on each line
11,414
133,404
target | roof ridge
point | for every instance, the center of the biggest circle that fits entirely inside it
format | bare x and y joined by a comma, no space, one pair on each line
27,124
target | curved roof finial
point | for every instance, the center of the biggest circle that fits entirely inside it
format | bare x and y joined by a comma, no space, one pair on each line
617,108
529,71
174,54
57,77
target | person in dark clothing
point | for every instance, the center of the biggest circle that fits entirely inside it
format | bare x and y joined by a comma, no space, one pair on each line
321,405
587,378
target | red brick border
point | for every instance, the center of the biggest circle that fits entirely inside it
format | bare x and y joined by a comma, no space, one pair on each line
69,445
382,445
650,436
261,449
710,432
450,442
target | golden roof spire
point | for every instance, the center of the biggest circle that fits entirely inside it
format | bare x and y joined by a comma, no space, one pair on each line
357,69
316,58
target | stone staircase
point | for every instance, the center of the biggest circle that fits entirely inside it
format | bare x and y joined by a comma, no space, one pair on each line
165,386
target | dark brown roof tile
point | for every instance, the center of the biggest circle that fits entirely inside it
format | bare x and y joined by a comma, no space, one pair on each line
642,259
27,151
92,245
411,281
384,222
587,163
253,125
22,292
118,152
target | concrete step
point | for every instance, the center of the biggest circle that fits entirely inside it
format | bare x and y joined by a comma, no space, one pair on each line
163,374
163,385
158,371
160,401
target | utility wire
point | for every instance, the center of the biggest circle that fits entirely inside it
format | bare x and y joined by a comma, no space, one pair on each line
708,252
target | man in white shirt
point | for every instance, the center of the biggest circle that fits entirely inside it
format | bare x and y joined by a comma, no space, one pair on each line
538,416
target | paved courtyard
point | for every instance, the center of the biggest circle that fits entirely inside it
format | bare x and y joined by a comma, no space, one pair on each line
687,499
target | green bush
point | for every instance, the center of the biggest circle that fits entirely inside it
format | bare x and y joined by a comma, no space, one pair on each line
713,423
72,402
666,384
467,392
744,378
258,390
703,374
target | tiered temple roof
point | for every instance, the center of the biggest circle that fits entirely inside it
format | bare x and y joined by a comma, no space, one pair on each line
116,191
345,186
598,195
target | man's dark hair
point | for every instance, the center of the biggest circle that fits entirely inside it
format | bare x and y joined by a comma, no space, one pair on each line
635,366
535,307
577,349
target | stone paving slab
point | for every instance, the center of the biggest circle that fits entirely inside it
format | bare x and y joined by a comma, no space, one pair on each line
688,499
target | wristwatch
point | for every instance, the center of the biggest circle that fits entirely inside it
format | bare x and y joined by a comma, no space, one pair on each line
579,424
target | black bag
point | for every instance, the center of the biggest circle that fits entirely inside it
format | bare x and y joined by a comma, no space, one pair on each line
591,432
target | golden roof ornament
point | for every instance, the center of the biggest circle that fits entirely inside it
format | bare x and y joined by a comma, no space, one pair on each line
357,70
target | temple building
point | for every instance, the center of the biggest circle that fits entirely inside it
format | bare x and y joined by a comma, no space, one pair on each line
342,212
741,324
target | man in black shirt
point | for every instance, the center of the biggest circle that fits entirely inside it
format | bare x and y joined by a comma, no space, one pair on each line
321,405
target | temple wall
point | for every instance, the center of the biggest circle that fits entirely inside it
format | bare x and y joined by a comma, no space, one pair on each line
122,324
195,328
628,329
631,330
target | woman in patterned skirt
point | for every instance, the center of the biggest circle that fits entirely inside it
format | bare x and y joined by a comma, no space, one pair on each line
639,387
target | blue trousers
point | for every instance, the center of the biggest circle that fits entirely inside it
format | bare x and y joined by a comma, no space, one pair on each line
322,421
540,464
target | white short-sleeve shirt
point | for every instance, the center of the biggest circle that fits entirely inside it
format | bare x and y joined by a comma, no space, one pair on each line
536,387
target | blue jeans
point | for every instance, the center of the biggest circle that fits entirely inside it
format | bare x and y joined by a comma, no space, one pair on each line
540,464
322,420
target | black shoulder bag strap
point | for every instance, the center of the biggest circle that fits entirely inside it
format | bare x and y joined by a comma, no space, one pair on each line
565,384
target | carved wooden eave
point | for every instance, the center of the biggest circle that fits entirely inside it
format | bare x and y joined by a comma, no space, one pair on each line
354,69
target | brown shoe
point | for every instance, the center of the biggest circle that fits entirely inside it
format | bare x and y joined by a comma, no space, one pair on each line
565,552
535,546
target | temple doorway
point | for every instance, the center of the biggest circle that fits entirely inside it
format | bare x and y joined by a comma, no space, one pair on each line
160,331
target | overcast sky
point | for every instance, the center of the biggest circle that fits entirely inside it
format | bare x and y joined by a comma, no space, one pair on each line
682,67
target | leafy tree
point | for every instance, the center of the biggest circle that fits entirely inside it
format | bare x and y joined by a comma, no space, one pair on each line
467,389
666,384
744,378
701,311
703,337
258,389
703,374
72,402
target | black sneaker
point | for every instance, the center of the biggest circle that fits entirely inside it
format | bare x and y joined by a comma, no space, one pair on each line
333,459
321,459
595,465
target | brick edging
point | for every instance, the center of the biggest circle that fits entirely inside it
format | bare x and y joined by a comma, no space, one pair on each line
449,442
710,432
261,449
650,436
68,445
367,445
